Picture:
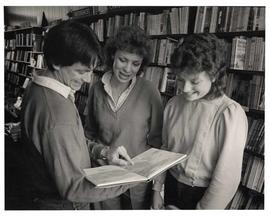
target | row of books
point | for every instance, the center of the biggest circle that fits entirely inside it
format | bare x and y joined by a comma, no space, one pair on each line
113,23
13,78
37,60
13,129
248,53
174,21
253,176
98,28
163,79
244,200
88,11
19,69
10,43
249,92
255,139
177,20
163,49
16,80
229,19
18,55
12,90
26,39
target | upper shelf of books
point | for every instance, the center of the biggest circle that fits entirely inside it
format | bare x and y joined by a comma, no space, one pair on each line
176,20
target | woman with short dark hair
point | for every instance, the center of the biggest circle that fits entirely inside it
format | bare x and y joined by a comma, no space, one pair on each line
205,124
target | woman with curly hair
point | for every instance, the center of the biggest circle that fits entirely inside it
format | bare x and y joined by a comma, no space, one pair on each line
125,109
205,124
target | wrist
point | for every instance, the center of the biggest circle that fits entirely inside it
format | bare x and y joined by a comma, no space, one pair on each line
157,186
104,152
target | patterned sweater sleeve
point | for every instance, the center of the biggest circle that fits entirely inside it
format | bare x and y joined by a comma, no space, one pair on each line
65,158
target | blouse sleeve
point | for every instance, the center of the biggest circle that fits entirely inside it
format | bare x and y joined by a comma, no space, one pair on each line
231,133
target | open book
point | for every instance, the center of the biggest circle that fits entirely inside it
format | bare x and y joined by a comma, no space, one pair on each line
146,166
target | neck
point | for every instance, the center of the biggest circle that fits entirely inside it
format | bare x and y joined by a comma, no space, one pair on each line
115,84
54,75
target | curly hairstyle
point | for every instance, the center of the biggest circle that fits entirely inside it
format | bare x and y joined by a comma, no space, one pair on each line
203,52
131,39
71,42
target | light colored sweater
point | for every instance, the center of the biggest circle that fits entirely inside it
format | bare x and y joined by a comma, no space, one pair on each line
213,134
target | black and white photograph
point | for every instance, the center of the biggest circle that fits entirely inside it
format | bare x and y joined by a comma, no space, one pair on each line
159,108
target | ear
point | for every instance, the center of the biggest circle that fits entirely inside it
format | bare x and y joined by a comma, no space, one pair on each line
213,79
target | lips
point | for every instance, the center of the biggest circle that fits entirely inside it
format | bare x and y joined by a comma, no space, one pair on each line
124,76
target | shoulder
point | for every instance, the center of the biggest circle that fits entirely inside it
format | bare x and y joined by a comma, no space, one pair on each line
230,105
146,84
96,88
147,87
175,103
231,111
48,108
175,100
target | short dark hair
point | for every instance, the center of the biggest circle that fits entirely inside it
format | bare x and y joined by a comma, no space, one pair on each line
71,42
131,39
203,52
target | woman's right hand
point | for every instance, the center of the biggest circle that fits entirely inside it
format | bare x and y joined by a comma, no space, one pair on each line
157,200
118,156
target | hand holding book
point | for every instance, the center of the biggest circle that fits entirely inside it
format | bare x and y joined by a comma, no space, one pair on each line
118,156
146,166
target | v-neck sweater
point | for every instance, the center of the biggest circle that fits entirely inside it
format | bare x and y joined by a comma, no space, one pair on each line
137,125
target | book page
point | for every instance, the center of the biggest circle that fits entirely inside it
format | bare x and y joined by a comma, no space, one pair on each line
109,175
154,161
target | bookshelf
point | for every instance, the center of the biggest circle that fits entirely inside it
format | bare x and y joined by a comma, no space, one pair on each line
166,26
228,23
21,46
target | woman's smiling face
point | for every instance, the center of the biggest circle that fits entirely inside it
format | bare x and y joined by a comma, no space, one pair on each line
126,65
194,86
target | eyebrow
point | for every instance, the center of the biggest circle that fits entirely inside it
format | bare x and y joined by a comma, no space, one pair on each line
137,60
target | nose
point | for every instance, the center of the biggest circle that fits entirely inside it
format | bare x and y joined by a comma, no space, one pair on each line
86,77
128,67
186,87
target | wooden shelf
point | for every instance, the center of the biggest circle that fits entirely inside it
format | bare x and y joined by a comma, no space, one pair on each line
35,29
246,72
19,74
223,35
230,35
254,153
252,192
24,62
35,67
159,65
256,113
24,46
120,11
14,84
167,94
